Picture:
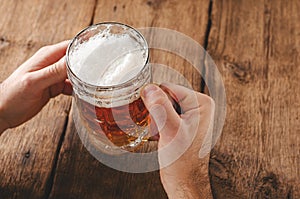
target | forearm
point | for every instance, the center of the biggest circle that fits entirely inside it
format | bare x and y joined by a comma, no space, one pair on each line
188,189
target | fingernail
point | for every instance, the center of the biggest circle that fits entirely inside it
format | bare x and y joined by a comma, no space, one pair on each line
149,90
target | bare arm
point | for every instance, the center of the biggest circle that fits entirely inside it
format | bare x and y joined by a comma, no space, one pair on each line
197,185
184,170
28,89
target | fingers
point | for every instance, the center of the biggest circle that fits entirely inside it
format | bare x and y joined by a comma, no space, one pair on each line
161,111
186,98
68,89
60,88
48,67
51,75
46,56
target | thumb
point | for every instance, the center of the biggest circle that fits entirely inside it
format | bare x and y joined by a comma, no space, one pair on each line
52,74
161,111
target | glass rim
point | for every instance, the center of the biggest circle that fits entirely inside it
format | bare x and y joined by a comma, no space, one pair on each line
109,87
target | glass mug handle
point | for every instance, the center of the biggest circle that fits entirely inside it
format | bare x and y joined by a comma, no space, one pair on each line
172,97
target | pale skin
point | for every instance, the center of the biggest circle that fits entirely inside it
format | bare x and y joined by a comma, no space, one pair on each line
44,76
187,177
40,78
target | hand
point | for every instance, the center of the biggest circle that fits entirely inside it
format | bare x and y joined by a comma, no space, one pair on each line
28,89
183,173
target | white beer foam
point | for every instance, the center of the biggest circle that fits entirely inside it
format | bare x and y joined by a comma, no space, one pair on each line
108,59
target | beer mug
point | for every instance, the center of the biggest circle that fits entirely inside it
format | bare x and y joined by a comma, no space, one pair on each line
107,64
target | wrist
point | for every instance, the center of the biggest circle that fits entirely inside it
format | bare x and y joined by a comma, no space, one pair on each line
193,184
187,188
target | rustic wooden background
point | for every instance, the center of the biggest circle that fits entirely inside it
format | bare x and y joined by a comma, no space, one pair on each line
256,46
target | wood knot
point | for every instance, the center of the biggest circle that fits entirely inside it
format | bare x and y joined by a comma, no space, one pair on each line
29,44
26,157
67,111
240,71
149,3
269,186
218,169
154,3
3,42
27,154
115,8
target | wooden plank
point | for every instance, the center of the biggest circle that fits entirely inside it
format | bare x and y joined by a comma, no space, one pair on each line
78,174
43,21
256,46
29,152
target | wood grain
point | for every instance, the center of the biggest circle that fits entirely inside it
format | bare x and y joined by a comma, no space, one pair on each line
43,21
28,153
256,46
78,174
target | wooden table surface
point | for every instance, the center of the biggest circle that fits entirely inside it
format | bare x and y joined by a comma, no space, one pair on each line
255,45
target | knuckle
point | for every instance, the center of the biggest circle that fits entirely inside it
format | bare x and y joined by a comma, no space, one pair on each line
2,87
160,98
27,81
207,100
44,49
53,70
